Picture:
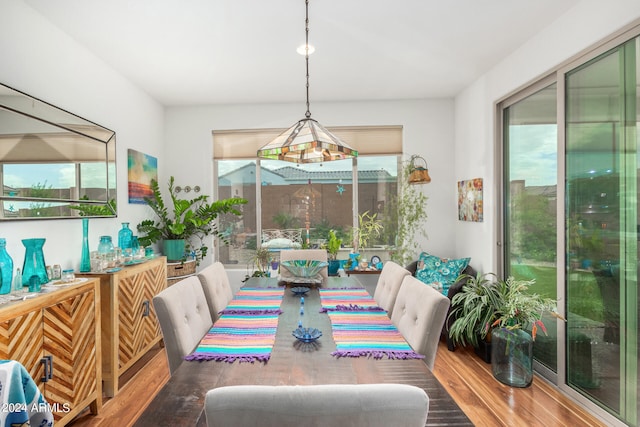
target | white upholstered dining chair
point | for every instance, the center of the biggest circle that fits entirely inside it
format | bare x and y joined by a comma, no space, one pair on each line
389,284
217,289
350,405
184,318
312,254
419,313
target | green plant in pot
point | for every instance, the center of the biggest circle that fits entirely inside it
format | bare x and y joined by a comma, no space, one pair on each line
333,247
474,310
369,228
184,226
506,310
261,263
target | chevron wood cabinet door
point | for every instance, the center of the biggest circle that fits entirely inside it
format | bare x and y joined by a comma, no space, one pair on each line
56,337
129,324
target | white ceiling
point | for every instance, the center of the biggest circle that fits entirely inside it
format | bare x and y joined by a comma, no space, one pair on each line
186,52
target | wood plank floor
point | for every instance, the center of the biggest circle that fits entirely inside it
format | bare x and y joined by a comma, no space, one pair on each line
467,378
487,402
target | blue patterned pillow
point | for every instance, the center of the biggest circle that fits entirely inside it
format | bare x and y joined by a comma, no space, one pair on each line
440,273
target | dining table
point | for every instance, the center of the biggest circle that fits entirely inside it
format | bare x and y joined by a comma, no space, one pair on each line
180,402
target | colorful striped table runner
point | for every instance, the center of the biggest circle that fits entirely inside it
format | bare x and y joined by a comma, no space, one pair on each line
245,337
255,300
370,334
347,300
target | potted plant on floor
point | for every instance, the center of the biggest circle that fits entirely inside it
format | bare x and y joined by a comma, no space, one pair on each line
506,310
512,343
185,221
473,311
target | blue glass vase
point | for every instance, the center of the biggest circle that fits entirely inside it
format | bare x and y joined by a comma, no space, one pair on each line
105,247
34,269
6,268
85,260
124,237
107,251
135,246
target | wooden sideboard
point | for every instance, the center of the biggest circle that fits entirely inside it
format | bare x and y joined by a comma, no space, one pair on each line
55,335
129,324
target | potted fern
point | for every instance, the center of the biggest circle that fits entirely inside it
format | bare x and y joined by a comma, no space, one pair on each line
186,220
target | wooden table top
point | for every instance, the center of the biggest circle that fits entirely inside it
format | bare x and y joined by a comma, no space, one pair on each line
181,400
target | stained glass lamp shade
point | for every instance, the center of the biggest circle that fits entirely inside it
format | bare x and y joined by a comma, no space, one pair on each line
307,141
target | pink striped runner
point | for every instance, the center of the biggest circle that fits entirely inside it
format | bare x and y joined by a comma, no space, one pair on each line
242,337
255,300
347,300
368,334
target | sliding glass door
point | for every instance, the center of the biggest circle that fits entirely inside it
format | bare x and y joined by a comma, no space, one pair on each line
601,163
530,162
577,235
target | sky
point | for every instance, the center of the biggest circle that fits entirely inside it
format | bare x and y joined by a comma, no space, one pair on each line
54,175
533,154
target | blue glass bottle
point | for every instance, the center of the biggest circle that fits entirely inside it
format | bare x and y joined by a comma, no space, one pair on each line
6,268
124,237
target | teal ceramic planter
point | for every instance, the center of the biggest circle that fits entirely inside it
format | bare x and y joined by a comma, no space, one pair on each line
174,249
334,266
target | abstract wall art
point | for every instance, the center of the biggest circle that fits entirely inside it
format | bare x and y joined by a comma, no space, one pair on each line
470,206
142,168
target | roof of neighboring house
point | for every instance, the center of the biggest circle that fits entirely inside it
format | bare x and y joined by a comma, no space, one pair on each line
293,175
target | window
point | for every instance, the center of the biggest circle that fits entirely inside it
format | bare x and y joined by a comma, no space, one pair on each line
295,205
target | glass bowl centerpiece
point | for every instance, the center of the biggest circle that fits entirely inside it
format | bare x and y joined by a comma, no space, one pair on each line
307,335
304,268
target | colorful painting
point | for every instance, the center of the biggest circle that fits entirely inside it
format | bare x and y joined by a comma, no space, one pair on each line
470,200
142,169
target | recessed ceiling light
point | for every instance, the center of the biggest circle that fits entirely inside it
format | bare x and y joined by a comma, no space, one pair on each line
302,51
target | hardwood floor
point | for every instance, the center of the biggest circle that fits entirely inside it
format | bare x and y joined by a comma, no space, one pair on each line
487,402
467,378
141,383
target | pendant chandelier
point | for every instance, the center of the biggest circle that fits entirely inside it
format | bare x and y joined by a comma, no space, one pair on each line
307,141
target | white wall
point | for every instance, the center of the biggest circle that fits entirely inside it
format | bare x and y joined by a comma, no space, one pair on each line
581,27
43,62
427,125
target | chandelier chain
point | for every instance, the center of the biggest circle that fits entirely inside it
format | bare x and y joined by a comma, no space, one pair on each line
306,48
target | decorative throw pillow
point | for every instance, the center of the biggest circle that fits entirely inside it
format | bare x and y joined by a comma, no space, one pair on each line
440,273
